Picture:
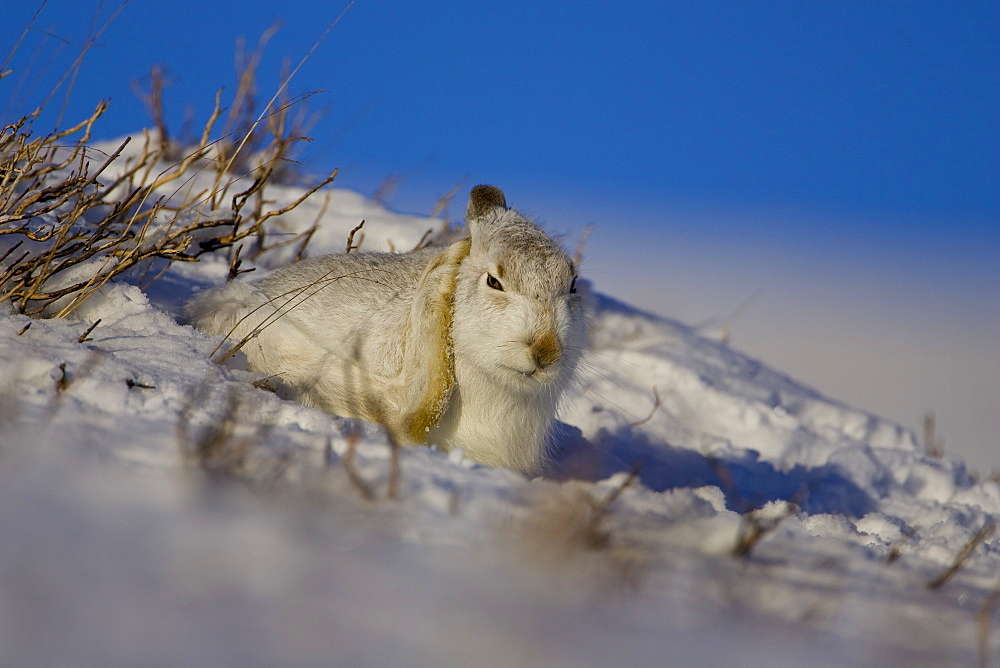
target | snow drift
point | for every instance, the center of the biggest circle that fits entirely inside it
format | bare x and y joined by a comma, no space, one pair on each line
701,509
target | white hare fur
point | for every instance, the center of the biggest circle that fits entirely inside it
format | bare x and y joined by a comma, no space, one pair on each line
469,346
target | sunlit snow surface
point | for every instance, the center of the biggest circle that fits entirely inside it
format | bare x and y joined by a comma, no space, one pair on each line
118,551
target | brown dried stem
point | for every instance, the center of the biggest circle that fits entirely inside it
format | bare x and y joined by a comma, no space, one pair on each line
985,532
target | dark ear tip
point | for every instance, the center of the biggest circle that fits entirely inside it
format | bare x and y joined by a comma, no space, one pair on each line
483,198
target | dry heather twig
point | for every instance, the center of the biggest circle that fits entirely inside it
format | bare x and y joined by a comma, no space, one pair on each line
580,243
442,204
63,380
896,549
350,238
933,445
348,462
755,525
86,334
215,448
963,555
236,263
652,411
395,468
66,229
67,220
568,529
984,623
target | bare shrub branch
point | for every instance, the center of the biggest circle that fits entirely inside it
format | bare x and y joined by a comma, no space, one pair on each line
755,525
963,555
86,334
652,411
348,463
213,447
350,238
568,531
76,230
933,445
442,204
395,468
984,622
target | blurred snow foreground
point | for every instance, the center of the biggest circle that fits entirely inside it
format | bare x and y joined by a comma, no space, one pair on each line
158,508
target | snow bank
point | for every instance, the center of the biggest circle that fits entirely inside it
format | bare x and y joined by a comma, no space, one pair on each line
124,546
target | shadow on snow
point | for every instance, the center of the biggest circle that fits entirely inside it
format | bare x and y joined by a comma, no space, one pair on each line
746,480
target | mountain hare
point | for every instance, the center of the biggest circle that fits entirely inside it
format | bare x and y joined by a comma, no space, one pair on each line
469,346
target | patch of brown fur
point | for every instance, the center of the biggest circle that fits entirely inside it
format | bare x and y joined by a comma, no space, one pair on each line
546,349
483,199
442,374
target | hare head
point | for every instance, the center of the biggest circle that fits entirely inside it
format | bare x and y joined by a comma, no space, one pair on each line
518,316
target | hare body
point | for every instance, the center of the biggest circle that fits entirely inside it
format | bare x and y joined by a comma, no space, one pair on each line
469,346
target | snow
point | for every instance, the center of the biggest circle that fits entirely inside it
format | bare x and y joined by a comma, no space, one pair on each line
120,549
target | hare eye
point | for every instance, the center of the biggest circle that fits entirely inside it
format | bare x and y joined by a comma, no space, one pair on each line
572,286
493,283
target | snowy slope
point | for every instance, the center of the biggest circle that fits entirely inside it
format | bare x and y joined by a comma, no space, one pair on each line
119,549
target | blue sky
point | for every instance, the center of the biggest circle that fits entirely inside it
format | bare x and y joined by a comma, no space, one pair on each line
841,159
883,108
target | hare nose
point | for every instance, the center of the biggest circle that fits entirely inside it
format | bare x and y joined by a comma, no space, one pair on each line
545,350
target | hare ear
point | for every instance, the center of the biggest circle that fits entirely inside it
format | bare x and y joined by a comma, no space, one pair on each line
482,200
